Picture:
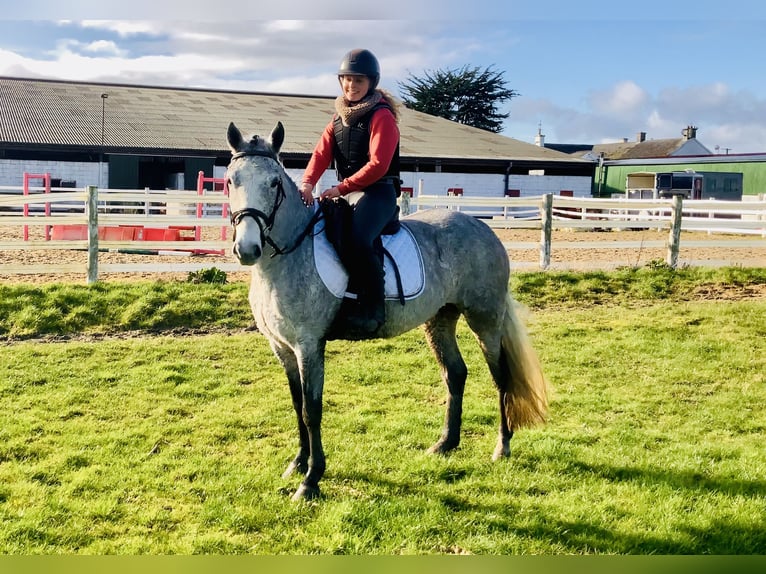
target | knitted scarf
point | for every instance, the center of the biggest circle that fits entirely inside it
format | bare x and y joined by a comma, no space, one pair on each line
349,113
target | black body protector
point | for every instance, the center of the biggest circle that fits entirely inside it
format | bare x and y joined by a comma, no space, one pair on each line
351,149
360,317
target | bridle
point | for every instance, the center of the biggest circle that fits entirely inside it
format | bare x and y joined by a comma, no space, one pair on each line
266,222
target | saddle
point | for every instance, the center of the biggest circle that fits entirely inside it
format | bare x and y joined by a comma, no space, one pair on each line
337,214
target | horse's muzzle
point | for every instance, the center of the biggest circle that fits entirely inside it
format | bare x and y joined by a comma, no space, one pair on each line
248,246
247,255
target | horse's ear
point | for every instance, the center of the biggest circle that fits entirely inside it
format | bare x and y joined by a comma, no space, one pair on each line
277,137
234,137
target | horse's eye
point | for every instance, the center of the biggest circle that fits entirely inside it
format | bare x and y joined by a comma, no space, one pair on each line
274,182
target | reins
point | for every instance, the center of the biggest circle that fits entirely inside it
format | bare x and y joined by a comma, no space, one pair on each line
266,222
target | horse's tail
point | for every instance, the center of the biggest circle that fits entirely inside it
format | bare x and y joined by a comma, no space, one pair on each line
526,390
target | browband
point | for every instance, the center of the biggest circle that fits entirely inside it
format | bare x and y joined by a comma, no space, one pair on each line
258,153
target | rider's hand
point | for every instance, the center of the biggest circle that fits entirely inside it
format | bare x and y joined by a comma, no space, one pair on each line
331,193
306,191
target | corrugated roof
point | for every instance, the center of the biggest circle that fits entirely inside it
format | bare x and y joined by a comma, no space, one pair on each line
642,149
637,150
59,113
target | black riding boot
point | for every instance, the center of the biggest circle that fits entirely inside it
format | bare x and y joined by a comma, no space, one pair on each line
370,312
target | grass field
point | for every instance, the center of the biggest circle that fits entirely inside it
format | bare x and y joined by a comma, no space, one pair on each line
165,444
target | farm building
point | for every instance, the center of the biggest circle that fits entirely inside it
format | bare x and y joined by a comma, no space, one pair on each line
689,184
686,145
135,137
611,177
617,161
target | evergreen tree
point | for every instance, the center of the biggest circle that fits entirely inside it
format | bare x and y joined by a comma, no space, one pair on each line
467,95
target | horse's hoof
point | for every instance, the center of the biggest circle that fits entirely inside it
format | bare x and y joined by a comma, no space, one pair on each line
501,451
305,492
294,467
442,447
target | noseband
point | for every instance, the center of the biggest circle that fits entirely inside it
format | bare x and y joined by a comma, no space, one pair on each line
266,222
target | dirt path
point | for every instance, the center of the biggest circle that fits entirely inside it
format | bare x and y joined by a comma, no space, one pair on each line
522,258
610,256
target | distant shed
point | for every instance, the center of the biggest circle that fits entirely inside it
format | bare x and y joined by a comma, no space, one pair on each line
689,184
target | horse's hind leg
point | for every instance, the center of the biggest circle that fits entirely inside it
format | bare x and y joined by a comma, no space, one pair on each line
489,335
290,364
440,333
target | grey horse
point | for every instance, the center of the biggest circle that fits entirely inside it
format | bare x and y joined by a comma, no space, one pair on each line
467,272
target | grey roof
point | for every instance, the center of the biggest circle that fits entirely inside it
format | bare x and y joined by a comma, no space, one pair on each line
55,114
645,149
654,148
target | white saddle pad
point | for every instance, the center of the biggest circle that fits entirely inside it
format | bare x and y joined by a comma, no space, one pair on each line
402,247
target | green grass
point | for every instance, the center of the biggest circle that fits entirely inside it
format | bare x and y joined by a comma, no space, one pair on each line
175,445
66,309
626,286
102,308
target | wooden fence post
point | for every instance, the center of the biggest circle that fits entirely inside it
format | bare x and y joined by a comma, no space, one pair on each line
92,211
546,213
404,204
674,238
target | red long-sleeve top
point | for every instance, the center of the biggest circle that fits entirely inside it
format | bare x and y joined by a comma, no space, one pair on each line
384,137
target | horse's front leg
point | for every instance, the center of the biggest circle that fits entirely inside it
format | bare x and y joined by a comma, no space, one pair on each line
311,365
440,334
290,363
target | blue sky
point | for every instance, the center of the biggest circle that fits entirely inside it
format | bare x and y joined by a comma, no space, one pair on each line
586,72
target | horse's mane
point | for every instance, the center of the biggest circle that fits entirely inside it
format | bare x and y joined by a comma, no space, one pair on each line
258,143
257,146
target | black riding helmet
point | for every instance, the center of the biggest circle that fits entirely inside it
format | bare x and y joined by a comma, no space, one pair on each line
361,62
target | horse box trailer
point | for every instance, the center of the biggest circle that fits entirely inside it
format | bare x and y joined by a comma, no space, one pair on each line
688,184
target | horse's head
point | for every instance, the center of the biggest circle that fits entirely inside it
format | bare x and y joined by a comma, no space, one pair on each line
255,181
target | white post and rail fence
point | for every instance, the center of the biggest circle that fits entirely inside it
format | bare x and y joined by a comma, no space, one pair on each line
171,222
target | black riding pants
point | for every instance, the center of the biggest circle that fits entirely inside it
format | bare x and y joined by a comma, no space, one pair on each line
371,214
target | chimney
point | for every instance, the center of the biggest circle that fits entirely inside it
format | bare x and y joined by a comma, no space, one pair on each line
641,137
689,132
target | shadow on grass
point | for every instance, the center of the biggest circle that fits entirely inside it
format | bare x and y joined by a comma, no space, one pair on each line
681,480
698,536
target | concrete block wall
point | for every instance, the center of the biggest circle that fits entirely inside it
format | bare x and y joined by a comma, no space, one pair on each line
532,185
476,184
473,185
83,173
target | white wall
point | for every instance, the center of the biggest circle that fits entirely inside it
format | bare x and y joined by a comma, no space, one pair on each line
492,185
477,184
532,185
474,185
84,173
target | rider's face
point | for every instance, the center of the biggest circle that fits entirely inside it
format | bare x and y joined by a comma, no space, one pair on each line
354,87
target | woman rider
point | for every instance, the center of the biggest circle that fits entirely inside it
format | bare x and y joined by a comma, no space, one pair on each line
363,140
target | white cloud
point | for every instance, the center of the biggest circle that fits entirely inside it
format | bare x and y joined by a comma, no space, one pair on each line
126,28
657,124
624,98
288,25
301,56
70,65
103,47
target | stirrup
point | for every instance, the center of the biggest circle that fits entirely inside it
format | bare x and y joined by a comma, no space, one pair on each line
367,318
365,324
